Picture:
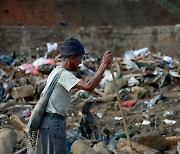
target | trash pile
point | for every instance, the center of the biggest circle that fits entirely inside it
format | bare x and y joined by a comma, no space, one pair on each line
148,87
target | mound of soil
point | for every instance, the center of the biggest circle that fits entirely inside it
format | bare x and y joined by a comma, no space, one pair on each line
85,13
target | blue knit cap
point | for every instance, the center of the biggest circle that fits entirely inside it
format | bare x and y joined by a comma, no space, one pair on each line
71,47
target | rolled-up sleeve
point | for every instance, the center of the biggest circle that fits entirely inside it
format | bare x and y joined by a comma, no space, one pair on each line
68,80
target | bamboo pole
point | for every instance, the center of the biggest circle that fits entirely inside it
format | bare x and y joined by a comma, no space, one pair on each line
121,109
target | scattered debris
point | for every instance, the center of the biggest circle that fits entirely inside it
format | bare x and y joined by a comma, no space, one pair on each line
148,86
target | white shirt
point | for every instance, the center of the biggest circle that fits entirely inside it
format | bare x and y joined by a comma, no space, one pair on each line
60,99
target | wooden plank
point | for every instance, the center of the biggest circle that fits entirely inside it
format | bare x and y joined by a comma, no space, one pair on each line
173,140
18,122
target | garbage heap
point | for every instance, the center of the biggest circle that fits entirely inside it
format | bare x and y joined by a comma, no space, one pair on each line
148,88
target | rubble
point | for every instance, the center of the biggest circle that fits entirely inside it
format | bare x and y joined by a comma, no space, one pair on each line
148,86
138,148
101,148
152,140
81,146
8,140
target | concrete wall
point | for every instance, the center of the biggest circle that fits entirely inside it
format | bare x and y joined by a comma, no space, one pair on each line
25,40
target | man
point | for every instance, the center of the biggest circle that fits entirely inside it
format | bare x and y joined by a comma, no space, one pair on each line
52,130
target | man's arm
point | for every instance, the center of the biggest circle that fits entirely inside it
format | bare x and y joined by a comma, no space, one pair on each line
94,81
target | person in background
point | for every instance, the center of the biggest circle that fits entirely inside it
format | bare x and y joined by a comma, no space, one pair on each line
52,134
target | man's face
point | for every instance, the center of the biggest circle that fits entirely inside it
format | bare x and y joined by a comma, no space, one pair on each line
76,60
